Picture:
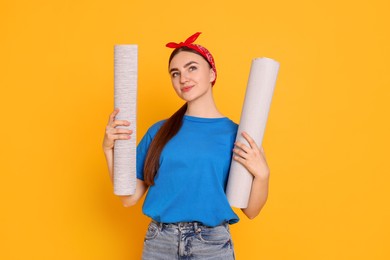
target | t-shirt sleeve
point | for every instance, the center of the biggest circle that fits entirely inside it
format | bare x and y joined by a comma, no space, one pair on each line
142,150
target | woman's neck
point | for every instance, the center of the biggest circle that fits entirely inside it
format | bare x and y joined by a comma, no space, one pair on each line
203,107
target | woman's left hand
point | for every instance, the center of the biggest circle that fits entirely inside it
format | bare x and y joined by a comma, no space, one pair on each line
252,158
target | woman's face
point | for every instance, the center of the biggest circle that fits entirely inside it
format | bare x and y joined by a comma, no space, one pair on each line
191,76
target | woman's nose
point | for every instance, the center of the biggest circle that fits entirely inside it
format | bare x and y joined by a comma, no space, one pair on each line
183,77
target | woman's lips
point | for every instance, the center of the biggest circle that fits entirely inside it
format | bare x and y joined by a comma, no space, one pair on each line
186,89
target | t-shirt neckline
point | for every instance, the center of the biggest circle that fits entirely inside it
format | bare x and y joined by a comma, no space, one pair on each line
204,119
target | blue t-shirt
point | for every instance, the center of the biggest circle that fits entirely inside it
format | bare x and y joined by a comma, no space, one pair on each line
194,167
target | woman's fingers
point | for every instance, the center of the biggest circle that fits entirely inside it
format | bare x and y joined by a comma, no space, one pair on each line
239,152
252,145
249,139
119,123
252,158
239,159
114,123
118,131
242,146
121,136
115,133
243,152
111,118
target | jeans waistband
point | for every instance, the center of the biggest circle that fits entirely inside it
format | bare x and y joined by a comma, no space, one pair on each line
195,225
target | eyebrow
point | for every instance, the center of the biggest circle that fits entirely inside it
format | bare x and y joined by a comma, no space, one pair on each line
185,66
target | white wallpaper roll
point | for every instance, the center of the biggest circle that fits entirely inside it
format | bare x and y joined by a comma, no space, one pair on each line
258,96
125,98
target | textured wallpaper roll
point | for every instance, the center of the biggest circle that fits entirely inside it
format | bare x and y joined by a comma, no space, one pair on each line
259,92
125,98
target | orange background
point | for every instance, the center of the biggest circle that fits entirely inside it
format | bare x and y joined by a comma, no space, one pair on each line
326,141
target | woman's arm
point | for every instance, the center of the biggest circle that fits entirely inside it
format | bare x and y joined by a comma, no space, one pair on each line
257,199
253,159
112,134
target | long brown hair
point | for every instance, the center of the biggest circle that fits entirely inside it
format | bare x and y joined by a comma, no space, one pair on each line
168,130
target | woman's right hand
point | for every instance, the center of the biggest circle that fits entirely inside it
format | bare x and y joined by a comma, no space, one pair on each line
112,133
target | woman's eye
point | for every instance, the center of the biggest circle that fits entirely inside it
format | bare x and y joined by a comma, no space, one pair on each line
174,74
191,68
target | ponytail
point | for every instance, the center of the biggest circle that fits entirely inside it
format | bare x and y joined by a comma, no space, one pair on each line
168,130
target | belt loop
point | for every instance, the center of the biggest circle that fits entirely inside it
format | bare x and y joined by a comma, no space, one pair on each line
197,227
226,224
162,226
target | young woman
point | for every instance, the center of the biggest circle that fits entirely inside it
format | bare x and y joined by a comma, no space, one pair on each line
184,163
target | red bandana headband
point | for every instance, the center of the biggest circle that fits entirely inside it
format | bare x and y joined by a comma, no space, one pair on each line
198,48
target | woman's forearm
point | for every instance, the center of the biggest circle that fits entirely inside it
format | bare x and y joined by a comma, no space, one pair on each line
109,154
258,197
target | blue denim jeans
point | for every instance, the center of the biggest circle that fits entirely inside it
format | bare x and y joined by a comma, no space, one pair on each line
187,240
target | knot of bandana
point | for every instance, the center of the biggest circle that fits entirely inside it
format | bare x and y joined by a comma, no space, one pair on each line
198,48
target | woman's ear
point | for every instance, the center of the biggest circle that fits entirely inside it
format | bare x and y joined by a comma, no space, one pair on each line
212,75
